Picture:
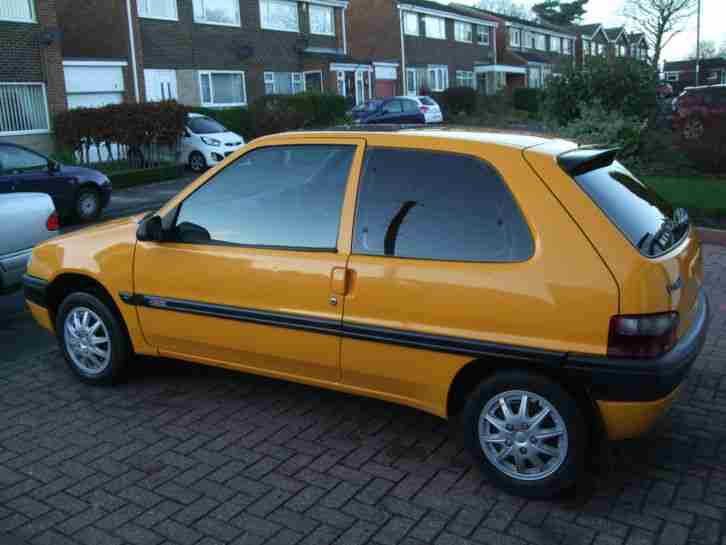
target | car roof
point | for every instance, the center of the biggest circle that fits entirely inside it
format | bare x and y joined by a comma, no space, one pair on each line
509,140
192,114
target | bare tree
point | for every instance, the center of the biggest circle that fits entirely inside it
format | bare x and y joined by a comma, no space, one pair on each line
507,7
708,50
659,20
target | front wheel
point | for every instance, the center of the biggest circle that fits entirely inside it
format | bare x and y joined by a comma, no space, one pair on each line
693,129
93,339
528,433
197,162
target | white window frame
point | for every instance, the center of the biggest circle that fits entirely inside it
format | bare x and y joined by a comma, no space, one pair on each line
147,16
672,76
279,29
540,42
305,81
443,77
482,30
199,12
440,21
515,37
465,78
33,15
408,18
412,77
45,102
327,9
460,31
567,46
213,104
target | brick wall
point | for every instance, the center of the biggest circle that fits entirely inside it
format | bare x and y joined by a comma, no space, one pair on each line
374,30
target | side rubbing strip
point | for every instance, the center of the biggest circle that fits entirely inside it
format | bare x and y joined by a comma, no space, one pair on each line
423,341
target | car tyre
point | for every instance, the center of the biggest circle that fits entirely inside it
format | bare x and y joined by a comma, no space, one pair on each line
693,129
93,338
536,453
88,205
197,162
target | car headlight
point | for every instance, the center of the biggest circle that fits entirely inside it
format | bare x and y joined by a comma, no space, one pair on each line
211,142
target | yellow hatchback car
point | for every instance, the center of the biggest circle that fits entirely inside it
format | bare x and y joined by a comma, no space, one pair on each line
530,290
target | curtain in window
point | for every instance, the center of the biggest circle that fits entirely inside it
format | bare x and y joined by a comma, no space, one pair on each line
321,20
20,10
279,15
23,108
165,9
217,11
227,88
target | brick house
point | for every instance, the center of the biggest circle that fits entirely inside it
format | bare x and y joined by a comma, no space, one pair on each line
32,88
221,53
682,74
417,45
529,52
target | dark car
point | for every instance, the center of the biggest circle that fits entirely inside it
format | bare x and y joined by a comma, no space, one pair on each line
78,193
698,110
389,110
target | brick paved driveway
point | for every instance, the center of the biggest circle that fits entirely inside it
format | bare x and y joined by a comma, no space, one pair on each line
189,455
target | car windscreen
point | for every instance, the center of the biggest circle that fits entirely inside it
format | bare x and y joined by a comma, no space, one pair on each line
205,125
650,223
426,101
370,106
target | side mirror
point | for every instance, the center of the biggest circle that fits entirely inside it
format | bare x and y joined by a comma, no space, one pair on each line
150,230
53,166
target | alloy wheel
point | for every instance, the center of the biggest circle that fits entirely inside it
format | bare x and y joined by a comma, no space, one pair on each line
87,340
523,435
693,130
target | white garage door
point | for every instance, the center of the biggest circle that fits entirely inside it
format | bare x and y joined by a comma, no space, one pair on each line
92,85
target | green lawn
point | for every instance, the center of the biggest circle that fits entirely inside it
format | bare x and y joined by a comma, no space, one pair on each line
696,192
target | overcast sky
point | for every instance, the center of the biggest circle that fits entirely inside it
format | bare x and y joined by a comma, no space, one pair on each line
713,17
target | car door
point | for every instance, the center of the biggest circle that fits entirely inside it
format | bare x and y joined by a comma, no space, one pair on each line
254,272
445,270
411,111
391,112
28,172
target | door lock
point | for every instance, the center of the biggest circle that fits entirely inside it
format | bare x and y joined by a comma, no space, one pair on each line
334,300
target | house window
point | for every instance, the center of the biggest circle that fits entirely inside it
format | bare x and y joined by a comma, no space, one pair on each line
540,42
284,83
435,27
279,15
462,32
535,78
515,37
158,9
465,79
586,46
621,50
600,49
322,20
23,109
217,12
567,46
411,81
17,10
438,78
556,44
223,88
671,76
482,35
410,23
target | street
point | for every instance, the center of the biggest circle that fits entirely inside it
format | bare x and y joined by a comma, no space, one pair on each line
190,455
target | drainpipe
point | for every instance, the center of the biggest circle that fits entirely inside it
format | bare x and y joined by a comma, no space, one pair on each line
404,74
345,33
132,45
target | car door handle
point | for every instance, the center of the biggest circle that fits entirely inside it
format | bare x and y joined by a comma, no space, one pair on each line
340,281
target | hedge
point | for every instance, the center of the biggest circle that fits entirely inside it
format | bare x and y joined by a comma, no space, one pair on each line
132,178
527,99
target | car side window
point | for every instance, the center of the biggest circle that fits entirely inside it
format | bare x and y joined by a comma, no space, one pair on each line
281,196
393,107
440,206
410,106
18,159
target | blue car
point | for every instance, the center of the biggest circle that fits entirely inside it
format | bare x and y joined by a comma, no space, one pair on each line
79,194
395,110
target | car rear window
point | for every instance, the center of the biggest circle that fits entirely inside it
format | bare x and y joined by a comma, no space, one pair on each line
426,101
651,224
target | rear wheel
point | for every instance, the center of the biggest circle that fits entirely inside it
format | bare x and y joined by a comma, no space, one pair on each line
93,339
693,129
528,433
197,162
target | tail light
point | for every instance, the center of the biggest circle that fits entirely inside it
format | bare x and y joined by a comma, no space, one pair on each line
424,109
642,336
53,224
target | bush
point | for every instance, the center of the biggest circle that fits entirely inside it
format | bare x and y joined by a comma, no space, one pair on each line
596,125
709,153
238,120
131,178
149,126
460,100
526,99
627,86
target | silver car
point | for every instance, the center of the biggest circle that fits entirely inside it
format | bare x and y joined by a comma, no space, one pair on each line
26,219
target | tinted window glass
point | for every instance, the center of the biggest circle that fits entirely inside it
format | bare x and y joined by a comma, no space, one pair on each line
647,221
393,107
410,106
205,125
12,159
428,205
283,196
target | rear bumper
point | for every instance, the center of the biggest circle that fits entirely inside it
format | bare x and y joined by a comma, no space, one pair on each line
611,379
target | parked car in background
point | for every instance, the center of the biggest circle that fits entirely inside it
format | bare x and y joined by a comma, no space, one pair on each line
394,110
78,193
431,109
699,109
207,142
26,219
441,270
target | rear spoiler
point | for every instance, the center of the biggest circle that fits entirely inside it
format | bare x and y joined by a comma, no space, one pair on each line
585,159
